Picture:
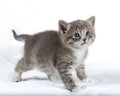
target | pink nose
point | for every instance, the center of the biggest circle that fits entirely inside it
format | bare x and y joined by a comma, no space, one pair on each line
84,39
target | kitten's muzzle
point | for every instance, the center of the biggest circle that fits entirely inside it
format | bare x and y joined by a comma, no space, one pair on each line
84,40
84,43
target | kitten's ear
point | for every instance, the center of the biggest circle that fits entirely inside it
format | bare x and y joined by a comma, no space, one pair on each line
63,26
91,20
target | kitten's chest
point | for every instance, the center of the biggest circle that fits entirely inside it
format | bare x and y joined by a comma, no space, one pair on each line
80,55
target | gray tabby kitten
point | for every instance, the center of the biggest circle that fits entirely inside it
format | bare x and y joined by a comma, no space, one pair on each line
57,53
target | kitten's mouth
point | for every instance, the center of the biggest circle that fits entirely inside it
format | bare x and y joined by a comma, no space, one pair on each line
84,43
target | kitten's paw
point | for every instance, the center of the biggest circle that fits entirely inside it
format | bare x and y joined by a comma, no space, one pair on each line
16,77
85,80
85,83
76,89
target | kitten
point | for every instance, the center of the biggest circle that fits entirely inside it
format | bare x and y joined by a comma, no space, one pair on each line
57,53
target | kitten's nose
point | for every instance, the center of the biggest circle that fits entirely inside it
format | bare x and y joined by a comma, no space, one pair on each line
84,39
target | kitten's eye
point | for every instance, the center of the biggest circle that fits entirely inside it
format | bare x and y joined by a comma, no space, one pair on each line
89,34
76,36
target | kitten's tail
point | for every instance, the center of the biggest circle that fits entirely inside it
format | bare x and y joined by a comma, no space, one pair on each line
21,37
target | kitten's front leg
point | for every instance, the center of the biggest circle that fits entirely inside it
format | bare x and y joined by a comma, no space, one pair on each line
66,76
81,73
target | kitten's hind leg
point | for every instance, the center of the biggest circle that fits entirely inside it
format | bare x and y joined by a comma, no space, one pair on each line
19,69
81,73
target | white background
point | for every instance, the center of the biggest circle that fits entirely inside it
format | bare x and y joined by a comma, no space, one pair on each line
32,16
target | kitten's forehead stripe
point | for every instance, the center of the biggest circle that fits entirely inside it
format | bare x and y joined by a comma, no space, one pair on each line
79,25
82,25
77,28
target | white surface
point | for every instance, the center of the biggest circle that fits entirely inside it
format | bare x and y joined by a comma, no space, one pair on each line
31,16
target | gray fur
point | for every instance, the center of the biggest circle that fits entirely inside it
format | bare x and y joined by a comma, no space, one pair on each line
20,37
57,53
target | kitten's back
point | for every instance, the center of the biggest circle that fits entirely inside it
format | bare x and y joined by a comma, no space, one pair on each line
43,46
46,40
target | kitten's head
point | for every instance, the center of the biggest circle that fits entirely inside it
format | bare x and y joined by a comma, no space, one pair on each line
77,34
